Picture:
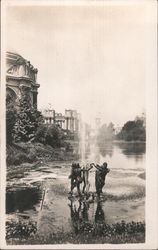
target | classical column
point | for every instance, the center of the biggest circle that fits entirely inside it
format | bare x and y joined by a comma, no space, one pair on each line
64,124
36,71
72,124
29,68
67,123
76,125
26,70
35,97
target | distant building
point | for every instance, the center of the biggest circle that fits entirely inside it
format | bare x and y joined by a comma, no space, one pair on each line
21,77
60,120
70,121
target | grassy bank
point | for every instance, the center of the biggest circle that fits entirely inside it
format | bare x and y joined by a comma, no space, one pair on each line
87,233
31,152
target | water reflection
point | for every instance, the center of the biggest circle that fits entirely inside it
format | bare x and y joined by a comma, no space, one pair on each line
79,212
76,218
109,149
99,214
22,200
133,148
106,149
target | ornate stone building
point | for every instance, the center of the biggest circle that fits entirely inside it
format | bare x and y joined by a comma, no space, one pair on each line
69,122
49,116
21,77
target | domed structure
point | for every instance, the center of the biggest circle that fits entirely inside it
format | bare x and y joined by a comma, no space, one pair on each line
21,77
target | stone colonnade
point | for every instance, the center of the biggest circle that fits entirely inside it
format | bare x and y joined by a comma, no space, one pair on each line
71,124
68,122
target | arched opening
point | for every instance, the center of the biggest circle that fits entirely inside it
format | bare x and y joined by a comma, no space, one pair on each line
10,96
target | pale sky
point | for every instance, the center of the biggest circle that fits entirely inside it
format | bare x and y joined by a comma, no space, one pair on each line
89,58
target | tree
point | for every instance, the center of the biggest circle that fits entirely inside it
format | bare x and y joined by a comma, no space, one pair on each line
28,120
52,135
133,131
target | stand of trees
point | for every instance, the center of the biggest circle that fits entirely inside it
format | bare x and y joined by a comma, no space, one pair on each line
25,123
133,130
52,135
28,119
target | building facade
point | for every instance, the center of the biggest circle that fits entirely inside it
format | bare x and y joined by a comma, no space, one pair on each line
70,121
21,78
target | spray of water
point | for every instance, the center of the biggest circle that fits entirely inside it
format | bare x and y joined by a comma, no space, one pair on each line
89,151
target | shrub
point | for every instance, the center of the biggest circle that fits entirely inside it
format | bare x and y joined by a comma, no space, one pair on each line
51,135
17,158
28,120
32,157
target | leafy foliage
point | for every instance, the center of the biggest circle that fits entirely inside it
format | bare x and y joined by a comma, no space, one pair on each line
28,120
133,131
88,233
51,135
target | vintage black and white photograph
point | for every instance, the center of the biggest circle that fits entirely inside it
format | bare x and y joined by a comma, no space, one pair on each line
76,110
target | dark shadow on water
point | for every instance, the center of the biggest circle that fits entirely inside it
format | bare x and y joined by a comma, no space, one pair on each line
128,149
132,148
99,214
79,215
22,200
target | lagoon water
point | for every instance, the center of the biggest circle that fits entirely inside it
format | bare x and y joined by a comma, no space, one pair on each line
123,193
